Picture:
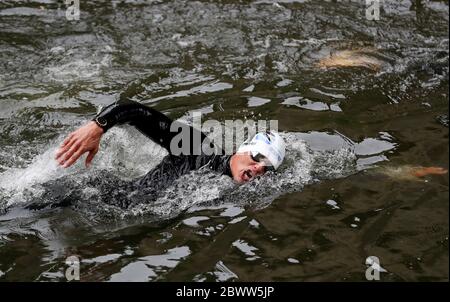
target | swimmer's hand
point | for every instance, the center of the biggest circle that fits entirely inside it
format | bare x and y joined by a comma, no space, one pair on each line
423,171
83,140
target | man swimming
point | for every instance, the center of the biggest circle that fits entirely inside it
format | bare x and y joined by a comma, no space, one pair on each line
265,151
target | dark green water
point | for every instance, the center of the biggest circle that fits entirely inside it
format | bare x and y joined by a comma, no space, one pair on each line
217,56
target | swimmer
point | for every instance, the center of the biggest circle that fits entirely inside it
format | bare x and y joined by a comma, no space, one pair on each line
351,58
264,152
365,58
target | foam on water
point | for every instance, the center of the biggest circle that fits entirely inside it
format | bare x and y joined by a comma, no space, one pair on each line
124,152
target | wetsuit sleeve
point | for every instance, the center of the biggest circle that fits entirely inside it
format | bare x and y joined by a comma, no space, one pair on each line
150,122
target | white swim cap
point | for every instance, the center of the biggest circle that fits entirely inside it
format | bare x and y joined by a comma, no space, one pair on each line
269,143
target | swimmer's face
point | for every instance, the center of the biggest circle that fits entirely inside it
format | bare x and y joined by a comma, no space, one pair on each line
245,167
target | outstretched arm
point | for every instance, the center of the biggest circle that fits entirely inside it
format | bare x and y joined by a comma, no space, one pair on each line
149,121
86,139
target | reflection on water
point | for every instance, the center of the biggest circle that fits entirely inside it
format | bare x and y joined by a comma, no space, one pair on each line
146,268
308,104
359,103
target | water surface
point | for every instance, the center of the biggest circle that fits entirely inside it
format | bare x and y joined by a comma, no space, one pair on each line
318,219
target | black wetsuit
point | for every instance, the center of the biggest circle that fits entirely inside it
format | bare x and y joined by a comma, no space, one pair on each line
156,126
126,194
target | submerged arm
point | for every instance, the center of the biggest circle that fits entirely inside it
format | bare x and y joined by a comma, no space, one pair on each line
408,172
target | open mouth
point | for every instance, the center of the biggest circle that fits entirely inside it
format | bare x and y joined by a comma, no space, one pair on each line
247,175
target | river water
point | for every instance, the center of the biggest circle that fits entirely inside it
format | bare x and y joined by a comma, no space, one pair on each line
338,198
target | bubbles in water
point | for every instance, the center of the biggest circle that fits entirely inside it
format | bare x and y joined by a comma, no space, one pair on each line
75,65
124,152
